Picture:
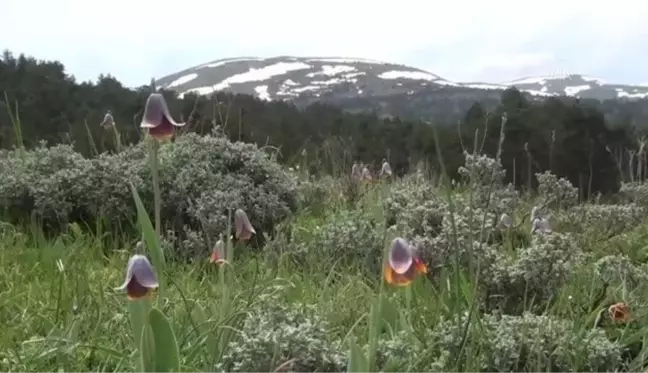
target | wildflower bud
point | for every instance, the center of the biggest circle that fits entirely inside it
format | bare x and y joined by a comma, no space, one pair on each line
244,229
157,118
140,278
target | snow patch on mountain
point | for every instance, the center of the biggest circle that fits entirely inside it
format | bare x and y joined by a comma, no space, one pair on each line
290,78
280,68
573,90
182,80
415,75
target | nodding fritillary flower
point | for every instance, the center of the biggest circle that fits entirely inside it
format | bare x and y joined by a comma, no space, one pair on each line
218,254
403,266
157,118
506,221
244,229
619,312
140,278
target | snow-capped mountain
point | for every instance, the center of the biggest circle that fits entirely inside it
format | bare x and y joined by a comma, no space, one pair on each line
312,78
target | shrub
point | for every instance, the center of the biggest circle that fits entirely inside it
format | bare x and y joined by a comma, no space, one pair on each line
274,334
200,179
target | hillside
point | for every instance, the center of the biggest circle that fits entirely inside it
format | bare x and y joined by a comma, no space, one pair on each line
367,85
293,78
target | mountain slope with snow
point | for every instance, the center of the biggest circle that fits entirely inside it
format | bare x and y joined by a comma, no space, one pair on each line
335,78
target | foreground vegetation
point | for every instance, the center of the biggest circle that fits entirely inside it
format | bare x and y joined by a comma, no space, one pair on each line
525,271
496,297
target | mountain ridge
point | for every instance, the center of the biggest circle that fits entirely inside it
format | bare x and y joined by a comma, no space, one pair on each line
293,78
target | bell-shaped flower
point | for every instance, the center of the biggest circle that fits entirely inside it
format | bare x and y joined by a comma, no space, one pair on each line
402,265
385,171
218,253
108,121
540,225
244,229
140,278
157,118
619,312
506,221
356,174
366,174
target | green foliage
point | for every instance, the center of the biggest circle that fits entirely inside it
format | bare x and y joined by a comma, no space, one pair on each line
201,179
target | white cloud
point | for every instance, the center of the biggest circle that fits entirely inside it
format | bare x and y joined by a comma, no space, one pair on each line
134,40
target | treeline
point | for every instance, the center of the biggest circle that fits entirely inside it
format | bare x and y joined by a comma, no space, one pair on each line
568,137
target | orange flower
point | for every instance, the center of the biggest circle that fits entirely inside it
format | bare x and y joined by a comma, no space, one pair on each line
218,254
619,312
403,265
157,118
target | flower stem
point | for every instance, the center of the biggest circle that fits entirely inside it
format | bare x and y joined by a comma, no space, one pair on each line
157,199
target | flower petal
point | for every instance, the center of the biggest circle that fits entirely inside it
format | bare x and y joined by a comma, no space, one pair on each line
143,271
129,273
400,256
155,111
218,253
163,132
244,229
135,290
396,279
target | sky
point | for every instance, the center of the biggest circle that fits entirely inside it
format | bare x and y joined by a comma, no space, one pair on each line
460,40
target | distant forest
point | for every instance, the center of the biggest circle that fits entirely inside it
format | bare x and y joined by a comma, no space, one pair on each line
587,142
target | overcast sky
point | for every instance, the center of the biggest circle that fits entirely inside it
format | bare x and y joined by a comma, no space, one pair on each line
461,40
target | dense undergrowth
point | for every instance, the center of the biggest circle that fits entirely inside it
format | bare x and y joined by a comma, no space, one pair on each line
497,297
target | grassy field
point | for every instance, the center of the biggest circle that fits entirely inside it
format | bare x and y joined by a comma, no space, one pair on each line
497,296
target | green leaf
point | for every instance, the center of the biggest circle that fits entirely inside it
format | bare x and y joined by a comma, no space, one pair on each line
357,359
166,354
138,311
152,241
204,326
147,349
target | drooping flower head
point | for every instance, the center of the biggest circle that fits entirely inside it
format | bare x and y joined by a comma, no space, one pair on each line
157,118
140,278
366,174
218,253
356,174
402,265
385,171
619,312
108,121
506,221
539,223
244,229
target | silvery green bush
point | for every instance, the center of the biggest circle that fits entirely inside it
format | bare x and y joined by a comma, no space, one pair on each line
275,333
526,343
346,237
606,219
556,192
200,179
